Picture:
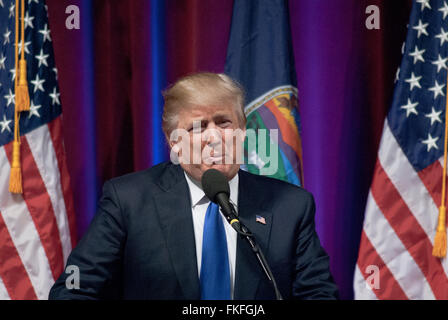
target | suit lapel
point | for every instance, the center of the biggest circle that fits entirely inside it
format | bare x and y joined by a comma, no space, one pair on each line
174,210
248,272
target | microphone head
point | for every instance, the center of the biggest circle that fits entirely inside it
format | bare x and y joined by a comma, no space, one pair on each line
213,183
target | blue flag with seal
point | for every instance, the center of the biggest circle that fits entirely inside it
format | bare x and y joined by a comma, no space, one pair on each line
260,58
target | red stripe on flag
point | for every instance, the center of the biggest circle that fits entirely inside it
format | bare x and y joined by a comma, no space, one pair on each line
55,128
12,271
41,210
431,177
407,228
389,288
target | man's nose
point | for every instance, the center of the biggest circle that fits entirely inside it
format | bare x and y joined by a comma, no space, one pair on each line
213,135
211,125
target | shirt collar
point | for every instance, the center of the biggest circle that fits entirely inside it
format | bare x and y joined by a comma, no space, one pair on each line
197,195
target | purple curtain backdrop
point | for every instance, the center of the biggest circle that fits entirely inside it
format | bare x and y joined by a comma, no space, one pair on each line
112,69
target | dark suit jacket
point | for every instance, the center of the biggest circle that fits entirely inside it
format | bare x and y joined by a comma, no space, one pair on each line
141,245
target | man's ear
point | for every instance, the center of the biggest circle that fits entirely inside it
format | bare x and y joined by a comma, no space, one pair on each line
174,142
170,142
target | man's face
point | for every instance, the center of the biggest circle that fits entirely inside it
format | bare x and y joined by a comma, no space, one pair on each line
212,138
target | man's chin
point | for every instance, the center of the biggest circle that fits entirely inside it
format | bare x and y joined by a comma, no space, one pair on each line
229,170
196,171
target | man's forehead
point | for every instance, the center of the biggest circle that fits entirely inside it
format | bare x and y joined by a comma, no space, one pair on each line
208,111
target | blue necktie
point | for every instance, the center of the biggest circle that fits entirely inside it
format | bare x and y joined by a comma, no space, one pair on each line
215,273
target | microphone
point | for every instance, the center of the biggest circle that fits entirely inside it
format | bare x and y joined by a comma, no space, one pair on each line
216,188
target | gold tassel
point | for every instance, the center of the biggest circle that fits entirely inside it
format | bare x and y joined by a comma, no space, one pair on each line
15,179
22,103
439,249
22,94
21,89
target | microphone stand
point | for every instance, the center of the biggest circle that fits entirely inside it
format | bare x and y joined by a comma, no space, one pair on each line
245,232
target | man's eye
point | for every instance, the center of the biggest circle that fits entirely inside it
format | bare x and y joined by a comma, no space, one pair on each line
225,123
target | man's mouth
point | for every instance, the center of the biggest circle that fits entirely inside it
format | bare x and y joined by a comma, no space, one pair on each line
215,159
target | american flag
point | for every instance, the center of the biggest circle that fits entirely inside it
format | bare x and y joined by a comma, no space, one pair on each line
37,228
395,258
260,219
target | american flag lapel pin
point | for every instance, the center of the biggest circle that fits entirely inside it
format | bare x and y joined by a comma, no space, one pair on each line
260,219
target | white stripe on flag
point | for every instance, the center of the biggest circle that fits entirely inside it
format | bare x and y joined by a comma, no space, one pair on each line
362,290
24,234
3,292
394,254
44,155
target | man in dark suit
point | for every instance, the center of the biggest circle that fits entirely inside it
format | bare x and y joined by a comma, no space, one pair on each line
149,238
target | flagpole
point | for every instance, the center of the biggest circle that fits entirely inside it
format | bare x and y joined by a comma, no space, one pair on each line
439,249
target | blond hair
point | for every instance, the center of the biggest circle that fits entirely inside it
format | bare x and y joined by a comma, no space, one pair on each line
204,88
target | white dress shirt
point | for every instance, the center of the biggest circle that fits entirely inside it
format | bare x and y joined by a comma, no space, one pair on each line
199,205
